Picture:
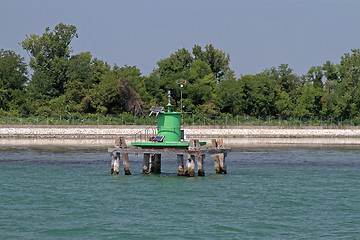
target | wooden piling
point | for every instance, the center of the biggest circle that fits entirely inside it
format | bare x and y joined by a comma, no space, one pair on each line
180,160
216,156
220,145
152,157
126,163
117,163
152,162
194,145
219,158
146,162
199,157
217,163
157,163
200,164
222,163
190,166
120,143
112,163
187,165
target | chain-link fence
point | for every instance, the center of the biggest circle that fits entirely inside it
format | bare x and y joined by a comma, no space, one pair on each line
269,121
187,120
124,119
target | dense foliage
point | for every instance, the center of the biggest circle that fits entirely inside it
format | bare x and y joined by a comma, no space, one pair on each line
65,84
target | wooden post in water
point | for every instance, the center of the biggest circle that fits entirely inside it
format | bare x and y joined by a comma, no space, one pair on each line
190,163
117,163
200,164
180,160
146,162
190,166
152,163
126,163
112,163
199,157
157,163
222,163
187,165
120,142
220,145
216,157
219,158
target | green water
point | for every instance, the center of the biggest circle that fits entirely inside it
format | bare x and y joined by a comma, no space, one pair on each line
282,193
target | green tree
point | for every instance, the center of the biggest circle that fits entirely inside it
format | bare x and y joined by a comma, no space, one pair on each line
216,59
116,92
50,45
231,94
306,103
202,71
315,76
259,94
284,104
285,78
49,55
13,76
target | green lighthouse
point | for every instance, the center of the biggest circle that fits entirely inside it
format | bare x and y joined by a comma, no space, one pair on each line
168,129
169,124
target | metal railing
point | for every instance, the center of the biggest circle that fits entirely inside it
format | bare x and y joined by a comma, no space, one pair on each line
146,135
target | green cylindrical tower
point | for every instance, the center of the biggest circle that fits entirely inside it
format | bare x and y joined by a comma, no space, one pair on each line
169,124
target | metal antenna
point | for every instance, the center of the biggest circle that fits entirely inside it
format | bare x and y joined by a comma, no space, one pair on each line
169,104
169,95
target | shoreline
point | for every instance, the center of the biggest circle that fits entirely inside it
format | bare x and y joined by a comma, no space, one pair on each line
238,136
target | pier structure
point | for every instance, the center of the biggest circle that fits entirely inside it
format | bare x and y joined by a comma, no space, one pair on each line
188,157
170,139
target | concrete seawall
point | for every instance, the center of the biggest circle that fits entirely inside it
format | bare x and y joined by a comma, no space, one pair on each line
104,135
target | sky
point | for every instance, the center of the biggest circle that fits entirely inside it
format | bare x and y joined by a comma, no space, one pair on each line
258,34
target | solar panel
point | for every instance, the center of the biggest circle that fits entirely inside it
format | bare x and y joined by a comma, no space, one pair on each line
158,138
155,110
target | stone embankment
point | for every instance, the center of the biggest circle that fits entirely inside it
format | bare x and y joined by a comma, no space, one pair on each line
104,135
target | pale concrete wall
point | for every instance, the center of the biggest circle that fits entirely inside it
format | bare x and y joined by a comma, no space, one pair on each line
23,135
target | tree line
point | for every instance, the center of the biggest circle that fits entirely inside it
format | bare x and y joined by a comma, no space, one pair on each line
64,83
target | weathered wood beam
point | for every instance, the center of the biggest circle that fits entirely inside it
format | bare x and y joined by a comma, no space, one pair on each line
134,150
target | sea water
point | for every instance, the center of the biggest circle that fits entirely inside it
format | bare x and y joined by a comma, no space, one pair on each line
268,193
